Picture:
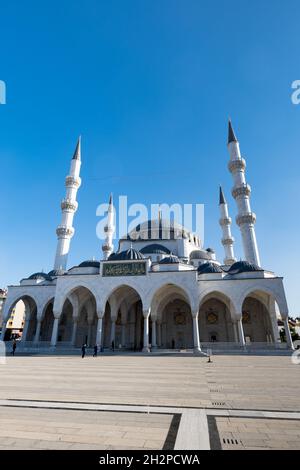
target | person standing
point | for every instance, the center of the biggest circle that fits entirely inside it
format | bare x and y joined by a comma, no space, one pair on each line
83,349
95,350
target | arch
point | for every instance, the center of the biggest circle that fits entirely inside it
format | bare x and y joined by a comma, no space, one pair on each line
172,308
47,321
215,319
259,290
117,295
123,319
49,301
28,299
257,324
165,292
218,295
82,287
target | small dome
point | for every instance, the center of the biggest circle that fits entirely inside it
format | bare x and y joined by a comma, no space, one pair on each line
209,267
172,259
243,267
155,248
89,264
40,276
130,254
56,272
199,254
210,250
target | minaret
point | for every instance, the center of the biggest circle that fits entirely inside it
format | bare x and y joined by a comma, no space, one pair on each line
109,229
65,230
225,222
241,193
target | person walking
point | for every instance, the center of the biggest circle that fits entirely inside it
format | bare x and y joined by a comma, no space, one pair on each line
95,350
113,345
83,349
14,347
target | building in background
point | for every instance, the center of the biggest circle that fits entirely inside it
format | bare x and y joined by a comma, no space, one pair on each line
15,323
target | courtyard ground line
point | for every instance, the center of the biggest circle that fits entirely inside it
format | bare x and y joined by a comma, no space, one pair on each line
193,432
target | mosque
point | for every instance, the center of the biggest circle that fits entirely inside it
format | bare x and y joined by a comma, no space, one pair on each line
160,290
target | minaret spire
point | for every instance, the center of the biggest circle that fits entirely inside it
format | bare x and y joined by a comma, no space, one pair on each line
225,222
77,153
231,134
65,230
241,193
109,229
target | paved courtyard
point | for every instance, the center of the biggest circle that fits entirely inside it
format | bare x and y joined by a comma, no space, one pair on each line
89,397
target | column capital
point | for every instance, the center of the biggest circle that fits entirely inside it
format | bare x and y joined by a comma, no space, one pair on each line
56,314
237,316
195,313
100,313
146,312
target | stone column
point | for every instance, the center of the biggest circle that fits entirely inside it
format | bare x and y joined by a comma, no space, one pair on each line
275,329
153,340
235,332
197,347
99,329
146,314
273,320
38,330
55,330
74,331
241,331
288,333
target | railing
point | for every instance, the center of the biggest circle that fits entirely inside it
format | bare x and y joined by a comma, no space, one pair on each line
226,346
43,346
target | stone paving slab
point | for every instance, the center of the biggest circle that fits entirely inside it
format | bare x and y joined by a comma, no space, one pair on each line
247,382
22,432
279,434
261,388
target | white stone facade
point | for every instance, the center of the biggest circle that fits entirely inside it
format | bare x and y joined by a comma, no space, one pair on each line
161,289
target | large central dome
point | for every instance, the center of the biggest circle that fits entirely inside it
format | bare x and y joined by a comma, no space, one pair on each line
159,229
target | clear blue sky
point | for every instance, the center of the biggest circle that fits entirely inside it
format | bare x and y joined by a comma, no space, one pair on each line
149,84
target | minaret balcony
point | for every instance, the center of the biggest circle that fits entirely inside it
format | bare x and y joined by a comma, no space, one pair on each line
69,205
72,182
65,232
227,241
249,218
225,221
243,190
237,165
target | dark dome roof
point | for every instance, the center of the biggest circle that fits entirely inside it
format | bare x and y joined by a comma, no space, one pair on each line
89,264
43,276
199,254
209,267
56,272
155,248
172,259
243,267
130,254
210,250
